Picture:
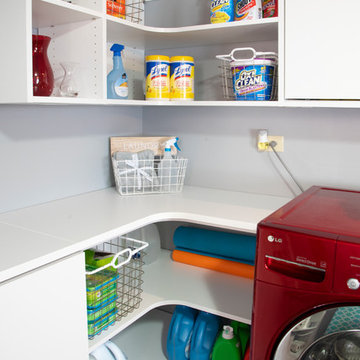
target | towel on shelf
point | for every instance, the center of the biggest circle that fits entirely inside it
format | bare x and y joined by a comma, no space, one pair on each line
135,172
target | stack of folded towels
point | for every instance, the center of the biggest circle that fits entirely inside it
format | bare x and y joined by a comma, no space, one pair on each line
217,250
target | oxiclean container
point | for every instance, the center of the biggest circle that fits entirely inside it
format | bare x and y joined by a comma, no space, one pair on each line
253,78
157,77
182,78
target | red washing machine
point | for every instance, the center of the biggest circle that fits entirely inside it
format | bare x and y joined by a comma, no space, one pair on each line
307,281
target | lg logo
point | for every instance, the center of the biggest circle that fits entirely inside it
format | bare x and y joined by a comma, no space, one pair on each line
274,239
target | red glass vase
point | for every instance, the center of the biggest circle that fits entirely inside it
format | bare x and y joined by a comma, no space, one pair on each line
43,76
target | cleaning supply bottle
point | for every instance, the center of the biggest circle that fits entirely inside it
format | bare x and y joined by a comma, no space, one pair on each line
204,335
242,331
117,81
227,346
168,168
180,333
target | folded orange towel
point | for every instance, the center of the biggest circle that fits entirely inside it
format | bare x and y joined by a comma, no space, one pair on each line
208,262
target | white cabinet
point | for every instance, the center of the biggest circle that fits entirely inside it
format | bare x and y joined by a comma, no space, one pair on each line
321,53
43,313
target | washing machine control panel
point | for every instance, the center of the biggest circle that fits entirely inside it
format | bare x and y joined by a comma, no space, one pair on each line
296,260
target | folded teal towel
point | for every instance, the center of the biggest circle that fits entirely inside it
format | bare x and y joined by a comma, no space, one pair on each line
221,244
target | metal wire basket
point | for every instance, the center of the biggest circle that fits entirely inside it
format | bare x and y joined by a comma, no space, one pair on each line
227,72
136,176
131,10
114,289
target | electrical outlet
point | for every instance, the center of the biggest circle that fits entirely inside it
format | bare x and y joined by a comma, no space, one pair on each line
279,143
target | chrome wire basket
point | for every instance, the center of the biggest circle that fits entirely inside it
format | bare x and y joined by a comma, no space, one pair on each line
114,289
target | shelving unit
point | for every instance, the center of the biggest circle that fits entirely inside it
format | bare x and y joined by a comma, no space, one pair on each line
82,32
77,223
202,289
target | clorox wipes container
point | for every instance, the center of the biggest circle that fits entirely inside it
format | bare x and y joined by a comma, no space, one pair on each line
254,78
221,11
157,77
182,78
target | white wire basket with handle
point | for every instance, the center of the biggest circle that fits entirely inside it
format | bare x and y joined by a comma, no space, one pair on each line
136,176
114,284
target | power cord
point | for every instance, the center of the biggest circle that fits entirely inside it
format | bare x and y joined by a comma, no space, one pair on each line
273,144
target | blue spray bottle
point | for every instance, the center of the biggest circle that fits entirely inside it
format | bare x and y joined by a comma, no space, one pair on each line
117,81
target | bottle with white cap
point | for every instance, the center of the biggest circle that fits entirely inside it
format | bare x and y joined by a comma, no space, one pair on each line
168,169
227,345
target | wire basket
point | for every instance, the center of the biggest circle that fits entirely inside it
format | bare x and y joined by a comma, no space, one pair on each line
131,10
136,176
114,286
229,68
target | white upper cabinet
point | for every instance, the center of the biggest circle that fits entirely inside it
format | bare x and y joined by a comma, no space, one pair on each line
321,50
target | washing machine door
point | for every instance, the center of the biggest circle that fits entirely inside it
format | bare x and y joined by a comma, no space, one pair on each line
332,334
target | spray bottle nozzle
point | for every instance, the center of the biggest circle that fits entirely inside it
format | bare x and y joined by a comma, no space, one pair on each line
172,142
117,49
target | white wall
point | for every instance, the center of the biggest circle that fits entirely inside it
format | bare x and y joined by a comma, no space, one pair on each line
50,152
322,146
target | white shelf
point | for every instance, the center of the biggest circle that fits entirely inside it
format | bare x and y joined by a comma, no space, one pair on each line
167,282
81,222
277,104
142,36
47,13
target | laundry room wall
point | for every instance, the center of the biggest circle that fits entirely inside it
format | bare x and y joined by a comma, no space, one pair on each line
51,152
322,146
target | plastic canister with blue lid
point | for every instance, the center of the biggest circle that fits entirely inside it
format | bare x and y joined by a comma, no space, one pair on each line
254,78
157,85
221,11
182,78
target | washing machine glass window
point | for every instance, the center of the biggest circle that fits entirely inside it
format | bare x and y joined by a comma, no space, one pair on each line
332,334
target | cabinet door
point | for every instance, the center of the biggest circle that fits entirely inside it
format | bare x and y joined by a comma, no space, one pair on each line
43,313
321,49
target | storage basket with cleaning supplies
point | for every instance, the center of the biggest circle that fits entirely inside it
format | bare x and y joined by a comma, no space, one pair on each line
249,78
147,172
113,281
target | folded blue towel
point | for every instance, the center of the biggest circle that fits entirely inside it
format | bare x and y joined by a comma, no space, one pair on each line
220,244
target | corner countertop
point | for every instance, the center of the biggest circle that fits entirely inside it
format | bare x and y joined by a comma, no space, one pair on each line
38,235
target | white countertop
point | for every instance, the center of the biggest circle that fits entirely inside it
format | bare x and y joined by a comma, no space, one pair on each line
40,234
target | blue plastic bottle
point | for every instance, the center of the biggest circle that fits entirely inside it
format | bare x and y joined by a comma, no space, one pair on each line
117,81
180,333
204,336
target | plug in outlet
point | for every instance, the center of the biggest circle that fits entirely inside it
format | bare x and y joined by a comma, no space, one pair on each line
279,143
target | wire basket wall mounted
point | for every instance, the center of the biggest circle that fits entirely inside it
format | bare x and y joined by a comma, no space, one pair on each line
114,289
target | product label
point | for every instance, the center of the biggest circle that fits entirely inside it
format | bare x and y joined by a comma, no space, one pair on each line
253,82
221,11
182,81
247,9
249,82
269,8
157,80
121,89
116,8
